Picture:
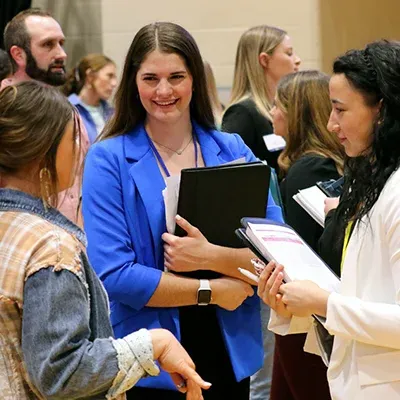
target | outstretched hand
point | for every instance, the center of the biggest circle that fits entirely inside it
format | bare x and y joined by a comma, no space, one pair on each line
174,359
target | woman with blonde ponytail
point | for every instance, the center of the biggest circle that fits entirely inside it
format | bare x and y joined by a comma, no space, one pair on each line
264,55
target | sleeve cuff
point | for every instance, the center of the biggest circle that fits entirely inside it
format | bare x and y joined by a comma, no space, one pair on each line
142,347
286,326
135,361
331,312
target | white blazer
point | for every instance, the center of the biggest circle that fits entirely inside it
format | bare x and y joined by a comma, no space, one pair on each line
365,316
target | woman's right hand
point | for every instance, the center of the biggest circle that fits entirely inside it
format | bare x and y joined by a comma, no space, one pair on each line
229,293
174,359
269,283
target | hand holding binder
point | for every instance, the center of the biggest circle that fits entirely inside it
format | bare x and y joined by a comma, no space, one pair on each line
214,199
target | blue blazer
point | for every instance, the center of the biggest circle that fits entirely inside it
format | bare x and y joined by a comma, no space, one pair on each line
124,216
87,119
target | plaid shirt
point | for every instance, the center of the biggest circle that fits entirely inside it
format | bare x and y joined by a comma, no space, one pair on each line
27,244
32,240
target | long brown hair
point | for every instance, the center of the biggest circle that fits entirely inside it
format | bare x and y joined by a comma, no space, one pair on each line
249,80
77,76
167,38
213,93
304,98
33,120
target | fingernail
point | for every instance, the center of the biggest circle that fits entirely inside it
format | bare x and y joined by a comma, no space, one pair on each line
178,217
208,384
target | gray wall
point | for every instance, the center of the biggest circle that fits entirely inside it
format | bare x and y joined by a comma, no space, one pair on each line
81,23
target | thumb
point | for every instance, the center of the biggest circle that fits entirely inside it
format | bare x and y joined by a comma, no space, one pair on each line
249,290
185,225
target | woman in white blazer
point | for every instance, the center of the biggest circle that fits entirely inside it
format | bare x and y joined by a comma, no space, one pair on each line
365,316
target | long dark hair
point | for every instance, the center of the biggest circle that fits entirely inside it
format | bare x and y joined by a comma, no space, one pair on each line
375,73
167,38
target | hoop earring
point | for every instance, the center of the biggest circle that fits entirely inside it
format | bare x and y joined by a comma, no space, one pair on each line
45,179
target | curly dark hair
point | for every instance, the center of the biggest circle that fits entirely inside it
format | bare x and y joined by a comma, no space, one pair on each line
375,73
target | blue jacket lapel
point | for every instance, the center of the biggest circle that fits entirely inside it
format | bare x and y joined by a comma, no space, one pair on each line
148,181
209,147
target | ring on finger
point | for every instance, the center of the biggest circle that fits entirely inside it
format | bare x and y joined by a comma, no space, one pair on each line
181,385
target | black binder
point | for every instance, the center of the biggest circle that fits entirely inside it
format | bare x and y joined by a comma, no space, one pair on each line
214,199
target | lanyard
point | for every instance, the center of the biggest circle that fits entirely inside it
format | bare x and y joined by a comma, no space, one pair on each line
347,234
161,161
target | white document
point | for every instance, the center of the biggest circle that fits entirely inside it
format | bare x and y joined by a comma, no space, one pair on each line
312,200
171,196
274,142
286,247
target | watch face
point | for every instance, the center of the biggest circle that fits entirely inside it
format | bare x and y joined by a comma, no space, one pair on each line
203,296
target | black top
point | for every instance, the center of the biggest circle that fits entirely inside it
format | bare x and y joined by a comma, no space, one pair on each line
245,119
304,173
330,244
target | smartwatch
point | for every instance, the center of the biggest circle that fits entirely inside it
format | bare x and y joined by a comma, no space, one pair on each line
204,293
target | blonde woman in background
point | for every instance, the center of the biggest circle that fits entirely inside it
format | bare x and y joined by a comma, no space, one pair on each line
264,55
89,85
212,90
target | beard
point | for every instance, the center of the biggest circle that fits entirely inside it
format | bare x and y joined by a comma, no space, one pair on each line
42,75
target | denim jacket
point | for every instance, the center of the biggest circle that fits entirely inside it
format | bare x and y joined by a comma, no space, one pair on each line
55,335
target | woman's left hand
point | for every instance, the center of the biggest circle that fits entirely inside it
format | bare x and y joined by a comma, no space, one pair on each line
304,298
189,253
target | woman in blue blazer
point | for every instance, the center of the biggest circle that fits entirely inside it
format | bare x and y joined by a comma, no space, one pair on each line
163,122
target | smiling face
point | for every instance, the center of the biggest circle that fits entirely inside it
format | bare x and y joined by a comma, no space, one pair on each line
351,119
282,61
165,87
45,59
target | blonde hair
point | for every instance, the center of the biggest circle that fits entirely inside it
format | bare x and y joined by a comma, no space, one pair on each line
213,93
249,79
304,99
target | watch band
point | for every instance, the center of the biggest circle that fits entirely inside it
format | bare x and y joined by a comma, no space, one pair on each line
205,284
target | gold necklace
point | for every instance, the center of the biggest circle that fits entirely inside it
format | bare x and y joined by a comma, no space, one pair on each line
178,152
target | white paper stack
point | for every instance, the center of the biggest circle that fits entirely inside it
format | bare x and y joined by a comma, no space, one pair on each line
282,244
312,200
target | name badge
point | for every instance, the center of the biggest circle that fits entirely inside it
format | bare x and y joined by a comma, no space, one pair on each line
274,142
